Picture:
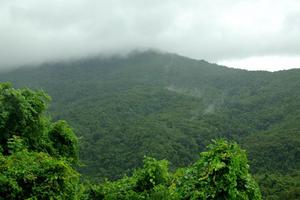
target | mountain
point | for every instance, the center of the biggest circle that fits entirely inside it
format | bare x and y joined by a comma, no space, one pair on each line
170,107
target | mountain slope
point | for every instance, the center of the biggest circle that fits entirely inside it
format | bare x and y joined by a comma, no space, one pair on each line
169,106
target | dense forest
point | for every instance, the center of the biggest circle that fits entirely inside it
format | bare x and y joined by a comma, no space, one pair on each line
166,107
37,157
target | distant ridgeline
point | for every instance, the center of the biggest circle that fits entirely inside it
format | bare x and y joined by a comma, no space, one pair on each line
171,107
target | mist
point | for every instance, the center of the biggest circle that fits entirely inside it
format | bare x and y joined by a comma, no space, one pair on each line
32,31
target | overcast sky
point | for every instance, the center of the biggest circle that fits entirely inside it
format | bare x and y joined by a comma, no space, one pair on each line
252,34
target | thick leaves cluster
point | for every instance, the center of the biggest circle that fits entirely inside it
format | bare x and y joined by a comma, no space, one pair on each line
221,173
36,154
22,114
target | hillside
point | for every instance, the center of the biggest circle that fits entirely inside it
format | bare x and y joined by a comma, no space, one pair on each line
170,107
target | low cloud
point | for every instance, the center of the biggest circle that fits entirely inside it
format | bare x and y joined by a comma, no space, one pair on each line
34,31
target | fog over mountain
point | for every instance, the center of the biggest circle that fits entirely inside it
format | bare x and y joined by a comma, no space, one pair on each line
254,34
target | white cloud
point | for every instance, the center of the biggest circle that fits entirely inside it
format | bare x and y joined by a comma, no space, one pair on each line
36,31
269,63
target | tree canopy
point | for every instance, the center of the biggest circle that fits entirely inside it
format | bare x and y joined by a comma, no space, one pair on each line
36,154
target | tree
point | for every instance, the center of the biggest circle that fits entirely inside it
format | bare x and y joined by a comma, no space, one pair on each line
22,114
221,173
35,154
36,175
152,181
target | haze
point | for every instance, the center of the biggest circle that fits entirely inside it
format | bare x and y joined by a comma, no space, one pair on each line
250,34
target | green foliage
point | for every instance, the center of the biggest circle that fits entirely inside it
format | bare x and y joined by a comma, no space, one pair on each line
277,152
15,144
36,175
21,115
150,182
277,186
221,173
154,173
63,140
35,153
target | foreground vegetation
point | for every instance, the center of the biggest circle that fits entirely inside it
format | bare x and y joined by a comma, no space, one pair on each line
38,156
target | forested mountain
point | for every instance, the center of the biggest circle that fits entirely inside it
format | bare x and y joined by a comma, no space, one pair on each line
170,107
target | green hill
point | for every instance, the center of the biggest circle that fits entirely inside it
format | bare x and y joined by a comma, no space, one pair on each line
170,107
